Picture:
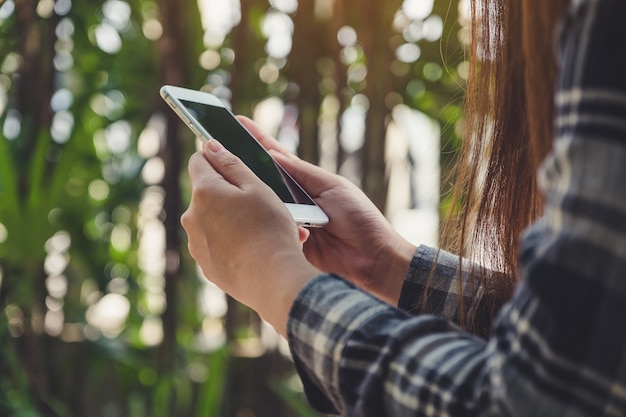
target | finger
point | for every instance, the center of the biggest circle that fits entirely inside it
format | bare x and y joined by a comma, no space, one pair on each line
312,178
229,166
303,234
200,169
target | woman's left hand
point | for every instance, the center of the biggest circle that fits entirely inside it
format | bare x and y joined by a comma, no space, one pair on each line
242,235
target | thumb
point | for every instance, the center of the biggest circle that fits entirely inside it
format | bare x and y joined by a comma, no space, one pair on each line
312,178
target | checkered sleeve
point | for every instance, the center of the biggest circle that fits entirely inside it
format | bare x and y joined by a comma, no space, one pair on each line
358,356
558,348
436,273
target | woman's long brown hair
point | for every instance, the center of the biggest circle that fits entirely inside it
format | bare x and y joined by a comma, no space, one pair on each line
509,126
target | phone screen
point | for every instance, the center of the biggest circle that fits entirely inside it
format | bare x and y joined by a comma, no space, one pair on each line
222,125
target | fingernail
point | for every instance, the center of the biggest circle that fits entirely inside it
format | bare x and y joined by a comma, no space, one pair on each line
214,145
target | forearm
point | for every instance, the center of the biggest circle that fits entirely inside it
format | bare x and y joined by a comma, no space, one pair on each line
359,356
288,277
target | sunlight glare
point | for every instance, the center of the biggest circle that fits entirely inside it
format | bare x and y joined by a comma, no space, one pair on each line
151,204
62,126
151,137
118,136
118,286
269,73
156,301
357,73
418,9
99,190
210,59
408,52
121,238
352,135
278,28
55,263
413,32
12,63
53,322
218,17
62,7
109,314
6,10
117,13
433,28
285,6
153,171
212,335
152,29
350,54
108,105
212,301
151,332
45,8
346,36
107,38
463,70
63,61
152,247
65,29
60,242
12,124
57,286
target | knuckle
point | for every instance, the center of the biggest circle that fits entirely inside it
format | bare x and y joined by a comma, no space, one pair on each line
202,193
230,161
185,219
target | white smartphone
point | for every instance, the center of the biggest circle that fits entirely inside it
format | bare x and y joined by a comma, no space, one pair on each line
209,118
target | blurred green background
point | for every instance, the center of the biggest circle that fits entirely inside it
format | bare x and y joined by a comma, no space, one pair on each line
102,311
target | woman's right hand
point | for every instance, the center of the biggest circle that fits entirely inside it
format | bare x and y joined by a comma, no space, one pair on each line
358,243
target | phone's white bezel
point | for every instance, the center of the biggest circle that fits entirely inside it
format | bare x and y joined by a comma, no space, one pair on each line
303,214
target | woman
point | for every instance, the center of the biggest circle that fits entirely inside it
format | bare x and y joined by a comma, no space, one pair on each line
557,347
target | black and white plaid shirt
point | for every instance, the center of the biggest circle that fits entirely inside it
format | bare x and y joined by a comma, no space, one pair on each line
559,347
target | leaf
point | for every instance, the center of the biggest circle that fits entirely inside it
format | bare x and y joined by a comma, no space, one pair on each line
212,390
38,164
8,183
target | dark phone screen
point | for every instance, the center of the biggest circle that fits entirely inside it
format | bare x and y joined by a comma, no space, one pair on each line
222,126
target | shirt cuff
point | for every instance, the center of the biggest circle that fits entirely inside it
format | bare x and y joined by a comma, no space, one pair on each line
440,283
325,312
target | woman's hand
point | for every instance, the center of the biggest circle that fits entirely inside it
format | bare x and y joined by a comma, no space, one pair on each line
243,236
358,243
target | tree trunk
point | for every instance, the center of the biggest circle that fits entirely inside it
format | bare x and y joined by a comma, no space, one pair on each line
34,91
248,52
374,34
309,46
174,51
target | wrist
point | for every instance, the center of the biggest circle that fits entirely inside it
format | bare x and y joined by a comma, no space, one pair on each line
279,287
391,268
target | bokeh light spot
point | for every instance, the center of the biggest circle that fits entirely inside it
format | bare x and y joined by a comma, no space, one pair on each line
99,190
